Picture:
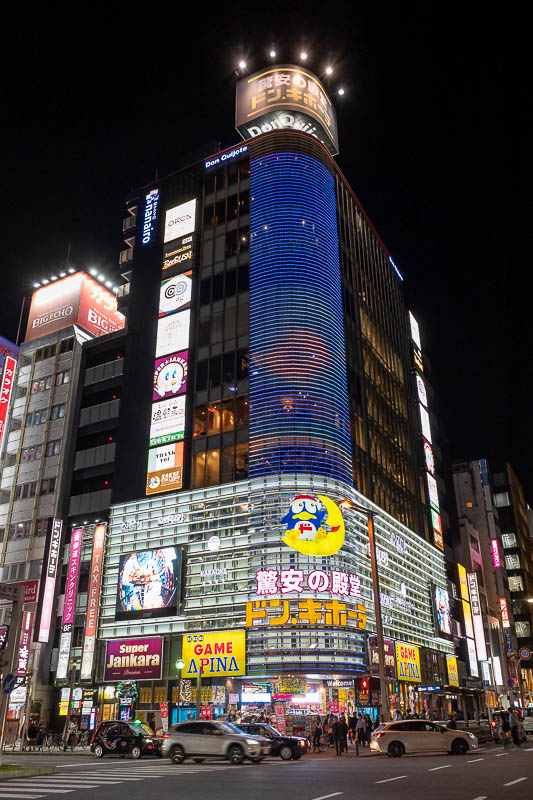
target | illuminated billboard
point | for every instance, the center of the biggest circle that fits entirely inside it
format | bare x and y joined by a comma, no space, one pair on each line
167,422
148,584
179,254
165,468
443,615
285,96
175,294
170,375
93,600
7,348
180,220
71,590
74,300
7,375
151,203
215,654
47,593
477,618
134,659
172,333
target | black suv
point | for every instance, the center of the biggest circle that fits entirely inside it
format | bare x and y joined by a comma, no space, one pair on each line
286,747
125,738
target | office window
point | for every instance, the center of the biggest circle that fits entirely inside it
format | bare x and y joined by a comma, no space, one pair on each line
57,411
63,377
509,540
46,352
516,583
41,526
512,561
25,490
501,499
523,628
31,453
474,544
48,486
19,530
53,448
66,345
42,384
36,417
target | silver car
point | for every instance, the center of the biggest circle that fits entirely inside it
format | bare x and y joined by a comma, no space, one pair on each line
200,740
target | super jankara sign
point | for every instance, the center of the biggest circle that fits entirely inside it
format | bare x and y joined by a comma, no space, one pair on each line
408,662
128,659
215,654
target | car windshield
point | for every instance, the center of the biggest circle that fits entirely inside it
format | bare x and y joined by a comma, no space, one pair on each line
142,728
272,730
227,727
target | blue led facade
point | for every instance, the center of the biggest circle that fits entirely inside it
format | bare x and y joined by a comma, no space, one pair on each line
299,417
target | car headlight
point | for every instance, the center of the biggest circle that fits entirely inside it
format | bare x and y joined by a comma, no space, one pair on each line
148,741
471,735
301,742
252,741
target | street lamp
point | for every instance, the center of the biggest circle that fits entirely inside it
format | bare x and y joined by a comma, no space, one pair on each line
180,663
347,504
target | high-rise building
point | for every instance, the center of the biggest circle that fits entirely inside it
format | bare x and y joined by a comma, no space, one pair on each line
269,395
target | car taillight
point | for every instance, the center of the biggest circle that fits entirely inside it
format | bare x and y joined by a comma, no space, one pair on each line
493,724
378,735
166,736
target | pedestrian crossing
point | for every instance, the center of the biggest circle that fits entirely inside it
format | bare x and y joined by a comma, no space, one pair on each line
62,783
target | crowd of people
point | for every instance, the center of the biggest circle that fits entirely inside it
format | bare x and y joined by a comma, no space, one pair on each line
339,730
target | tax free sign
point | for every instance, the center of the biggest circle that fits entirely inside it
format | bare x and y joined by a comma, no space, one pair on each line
408,662
215,654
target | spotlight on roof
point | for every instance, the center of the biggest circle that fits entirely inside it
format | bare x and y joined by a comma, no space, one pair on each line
53,277
45,281
92,271
272,54
303,56
62,274
115,288
36,285
108,284
71,270
329,70
242,64
341,91
101,277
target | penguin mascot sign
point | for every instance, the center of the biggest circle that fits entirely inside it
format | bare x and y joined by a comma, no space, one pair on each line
314,526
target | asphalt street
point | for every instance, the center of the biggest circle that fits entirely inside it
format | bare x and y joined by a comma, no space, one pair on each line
487,773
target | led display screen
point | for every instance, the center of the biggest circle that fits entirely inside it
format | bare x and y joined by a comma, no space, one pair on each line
175,294
172,333
180,220
443,615
424,420
168,421
148,584
170,376
165,468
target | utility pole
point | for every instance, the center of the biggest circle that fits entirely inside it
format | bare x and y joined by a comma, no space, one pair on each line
198,690
73,669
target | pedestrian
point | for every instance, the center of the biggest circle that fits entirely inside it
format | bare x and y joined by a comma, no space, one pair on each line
317,734
368,728
504,731
32,735
41,733
344,731
452,724
360,730
340,729
352,723
397,715
514,728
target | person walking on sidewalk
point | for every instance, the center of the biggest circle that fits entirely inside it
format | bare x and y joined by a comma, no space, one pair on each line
514,727
317,734
340,729
360,730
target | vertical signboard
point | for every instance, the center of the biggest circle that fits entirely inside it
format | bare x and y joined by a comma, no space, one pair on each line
429,458
477,617
469,627
23,655
453,673
504,612
93,599
71,589
6,389
47,601
165,463
496,558
151,203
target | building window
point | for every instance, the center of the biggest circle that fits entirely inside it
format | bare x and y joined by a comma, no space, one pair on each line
48,486
57,411
25,490
66,345
501,499
42,384
474,544
41,526
53,448
516,584
523,628
36,417
31,453
63,377
509,540
512,561
45,352
19,530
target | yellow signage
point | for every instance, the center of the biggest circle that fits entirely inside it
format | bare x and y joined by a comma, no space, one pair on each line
463,583
408,662
313,526
453,674
63,708
214,654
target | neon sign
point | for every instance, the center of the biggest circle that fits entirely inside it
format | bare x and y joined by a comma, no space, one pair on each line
496,559
150,215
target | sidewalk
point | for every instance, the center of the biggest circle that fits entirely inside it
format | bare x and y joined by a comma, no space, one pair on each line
57,752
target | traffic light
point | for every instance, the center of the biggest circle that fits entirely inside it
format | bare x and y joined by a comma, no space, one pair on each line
364,684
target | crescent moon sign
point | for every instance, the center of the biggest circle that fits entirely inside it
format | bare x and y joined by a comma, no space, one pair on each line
334,539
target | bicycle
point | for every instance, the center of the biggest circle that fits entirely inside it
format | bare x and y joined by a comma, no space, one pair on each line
84,740
53,741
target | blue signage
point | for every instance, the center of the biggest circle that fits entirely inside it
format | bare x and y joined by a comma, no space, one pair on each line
9,683
150,216
237,151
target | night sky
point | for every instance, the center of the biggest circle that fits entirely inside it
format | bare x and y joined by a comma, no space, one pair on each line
432,138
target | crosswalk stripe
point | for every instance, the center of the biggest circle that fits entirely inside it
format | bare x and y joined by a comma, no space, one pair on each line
38,788
11,796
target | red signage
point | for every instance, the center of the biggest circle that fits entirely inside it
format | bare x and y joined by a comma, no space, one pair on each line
163,708
131,659
93,598
504,612
31,590
23,656
6,388
207,712
74,300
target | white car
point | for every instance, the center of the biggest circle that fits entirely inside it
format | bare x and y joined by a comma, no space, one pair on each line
420,736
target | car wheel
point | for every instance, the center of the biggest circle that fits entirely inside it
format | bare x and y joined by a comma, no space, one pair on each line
177,754
396,750
235,754
99,751
136,752
459,747
199,760
286,752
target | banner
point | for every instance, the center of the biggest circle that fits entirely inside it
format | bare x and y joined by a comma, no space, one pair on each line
93,598
408,662
214,654
6,387
163,708
129,659
46,604
71,589
23,656
453,673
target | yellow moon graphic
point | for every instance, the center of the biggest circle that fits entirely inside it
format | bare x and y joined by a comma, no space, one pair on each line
331,543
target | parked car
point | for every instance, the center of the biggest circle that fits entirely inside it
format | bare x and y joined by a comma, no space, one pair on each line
200,740
125,738
420,736
286,747
528,721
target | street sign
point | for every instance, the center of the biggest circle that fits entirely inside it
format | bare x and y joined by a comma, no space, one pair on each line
9,683
524,653
510,682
